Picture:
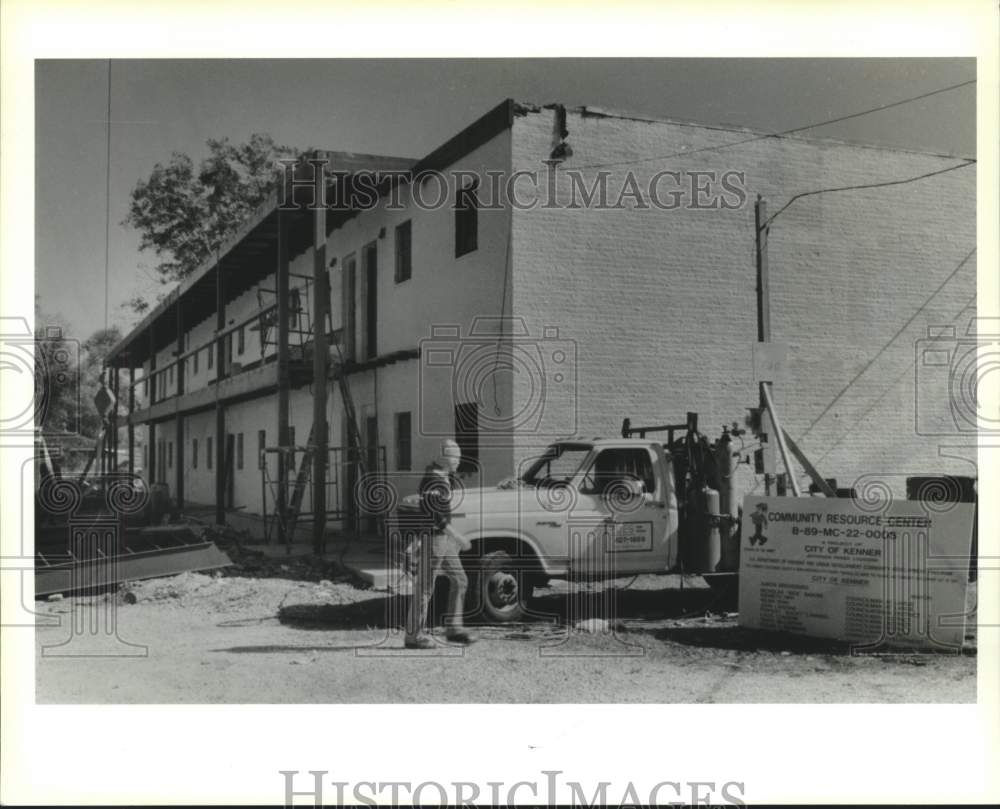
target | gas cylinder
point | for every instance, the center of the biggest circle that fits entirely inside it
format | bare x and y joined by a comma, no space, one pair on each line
725,462
711,544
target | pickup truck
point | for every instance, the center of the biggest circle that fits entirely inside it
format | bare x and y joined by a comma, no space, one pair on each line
584,509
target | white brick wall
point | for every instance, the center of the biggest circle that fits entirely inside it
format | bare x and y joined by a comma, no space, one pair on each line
662,303
655,310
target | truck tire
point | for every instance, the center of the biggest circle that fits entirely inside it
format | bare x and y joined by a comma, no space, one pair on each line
499,591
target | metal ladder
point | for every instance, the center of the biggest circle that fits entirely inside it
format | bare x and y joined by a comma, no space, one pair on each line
304,472
354,441
301,483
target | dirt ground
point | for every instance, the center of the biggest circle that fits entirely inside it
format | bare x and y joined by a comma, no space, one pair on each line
250,635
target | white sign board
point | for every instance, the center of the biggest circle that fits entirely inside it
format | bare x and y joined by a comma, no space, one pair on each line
770,361
831,569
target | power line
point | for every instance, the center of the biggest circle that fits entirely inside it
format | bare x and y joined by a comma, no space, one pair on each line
107,204
784,207
882,107
909,368
784,132
890,341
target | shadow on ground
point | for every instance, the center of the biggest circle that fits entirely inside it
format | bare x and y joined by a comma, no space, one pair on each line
740,639
612,604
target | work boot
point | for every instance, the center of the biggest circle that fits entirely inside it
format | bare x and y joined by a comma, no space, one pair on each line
420,642
460,636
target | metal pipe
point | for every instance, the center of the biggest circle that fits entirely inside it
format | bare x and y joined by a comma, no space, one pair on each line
765,389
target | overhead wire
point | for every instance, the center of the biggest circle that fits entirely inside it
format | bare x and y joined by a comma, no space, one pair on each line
782,133
889,342
107,203
903,181
907,369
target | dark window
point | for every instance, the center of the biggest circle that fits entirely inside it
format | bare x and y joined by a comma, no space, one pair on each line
404,268
240,340
145,387
194,453
170,375
369,259
613,466
467,435
261,442
403,450
239,450
208,453
211,356
194,369
170,454
466,220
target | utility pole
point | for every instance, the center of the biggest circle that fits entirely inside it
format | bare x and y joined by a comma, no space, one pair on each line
761,230
770,428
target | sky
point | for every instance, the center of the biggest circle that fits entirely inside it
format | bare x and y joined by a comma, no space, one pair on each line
405,108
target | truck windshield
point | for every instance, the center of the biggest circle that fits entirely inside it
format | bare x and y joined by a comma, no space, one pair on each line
558,465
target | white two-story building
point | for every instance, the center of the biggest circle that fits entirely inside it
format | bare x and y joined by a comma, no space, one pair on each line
548,272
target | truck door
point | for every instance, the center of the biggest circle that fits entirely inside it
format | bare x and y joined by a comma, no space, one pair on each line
621,524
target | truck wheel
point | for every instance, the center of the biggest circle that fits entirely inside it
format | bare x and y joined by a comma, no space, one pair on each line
499,590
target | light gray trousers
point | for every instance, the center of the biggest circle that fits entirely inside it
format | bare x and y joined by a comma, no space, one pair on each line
438,555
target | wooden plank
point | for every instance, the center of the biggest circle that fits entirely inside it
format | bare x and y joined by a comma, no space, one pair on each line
811,470
765,388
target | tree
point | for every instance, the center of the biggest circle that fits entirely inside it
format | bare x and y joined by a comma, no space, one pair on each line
67,377
183,213
93,351
57,377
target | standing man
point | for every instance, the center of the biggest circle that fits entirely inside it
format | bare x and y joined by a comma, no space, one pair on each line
439,548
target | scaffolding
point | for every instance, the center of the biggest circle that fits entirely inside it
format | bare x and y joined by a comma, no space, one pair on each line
345,467
300,319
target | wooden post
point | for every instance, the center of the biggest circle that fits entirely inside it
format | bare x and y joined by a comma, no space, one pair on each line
282,285
151,451
779,436
131,410
321,302
117,393
103,465
179,421
220,411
